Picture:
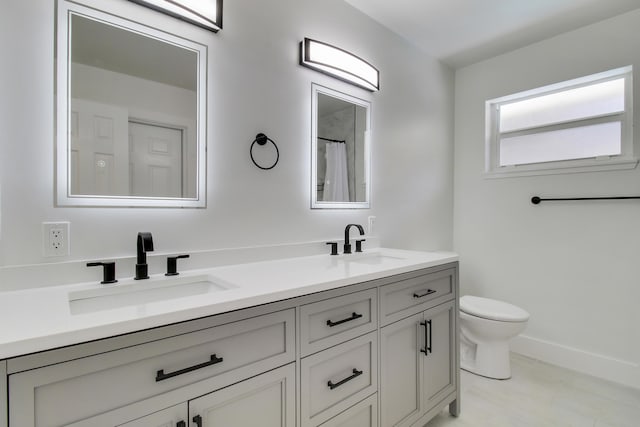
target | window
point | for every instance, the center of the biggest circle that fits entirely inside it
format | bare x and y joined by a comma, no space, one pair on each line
574,126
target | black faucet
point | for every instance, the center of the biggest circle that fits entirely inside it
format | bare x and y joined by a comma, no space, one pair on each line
108,271
347,244
145,244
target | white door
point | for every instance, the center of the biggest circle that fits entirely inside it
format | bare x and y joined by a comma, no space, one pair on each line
156,160
99,157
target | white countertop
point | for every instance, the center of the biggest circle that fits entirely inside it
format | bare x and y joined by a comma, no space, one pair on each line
41,319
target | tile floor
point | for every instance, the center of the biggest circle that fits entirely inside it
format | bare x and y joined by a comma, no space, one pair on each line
541,395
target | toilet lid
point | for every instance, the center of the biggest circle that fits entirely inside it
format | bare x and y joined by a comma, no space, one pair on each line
492,309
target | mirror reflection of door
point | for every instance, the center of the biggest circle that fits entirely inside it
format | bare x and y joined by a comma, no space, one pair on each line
156,160
111,155
99,150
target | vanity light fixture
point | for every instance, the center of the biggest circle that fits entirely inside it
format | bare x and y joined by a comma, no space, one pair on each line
203,13
339,63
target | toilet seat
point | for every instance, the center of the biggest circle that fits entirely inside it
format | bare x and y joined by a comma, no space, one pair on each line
492,310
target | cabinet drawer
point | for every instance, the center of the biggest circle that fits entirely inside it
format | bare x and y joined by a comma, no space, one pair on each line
107,381
330,322
336,378
362,414
410,296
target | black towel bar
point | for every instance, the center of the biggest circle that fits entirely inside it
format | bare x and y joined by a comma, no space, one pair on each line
536,200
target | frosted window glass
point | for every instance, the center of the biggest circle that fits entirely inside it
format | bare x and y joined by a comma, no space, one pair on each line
573,104
567,144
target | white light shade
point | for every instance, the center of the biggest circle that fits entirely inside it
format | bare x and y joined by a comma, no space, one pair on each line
204,13
339,63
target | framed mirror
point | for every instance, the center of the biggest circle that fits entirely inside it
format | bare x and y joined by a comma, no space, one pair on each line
340,150
130,113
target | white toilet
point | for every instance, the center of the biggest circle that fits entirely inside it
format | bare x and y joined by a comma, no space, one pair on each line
486,326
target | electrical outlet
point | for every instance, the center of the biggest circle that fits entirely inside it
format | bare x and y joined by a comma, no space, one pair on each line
371,229
55,239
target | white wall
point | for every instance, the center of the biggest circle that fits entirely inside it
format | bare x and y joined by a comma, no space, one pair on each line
255,85
574,266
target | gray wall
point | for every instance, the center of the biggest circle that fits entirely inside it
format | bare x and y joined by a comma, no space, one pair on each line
573,266
257,86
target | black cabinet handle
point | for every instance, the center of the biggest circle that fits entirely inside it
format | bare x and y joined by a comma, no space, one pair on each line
430,347
181,424
354,316
161,376
197,420
429,292
427,338
356,374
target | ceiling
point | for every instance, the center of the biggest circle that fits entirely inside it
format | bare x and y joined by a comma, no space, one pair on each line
461,32
117,49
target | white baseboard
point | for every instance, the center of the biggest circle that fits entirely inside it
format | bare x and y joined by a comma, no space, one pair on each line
598,365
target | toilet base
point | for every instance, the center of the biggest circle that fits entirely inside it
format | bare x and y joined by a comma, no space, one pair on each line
491,359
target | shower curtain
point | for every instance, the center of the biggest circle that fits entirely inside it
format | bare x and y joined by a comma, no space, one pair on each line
336,180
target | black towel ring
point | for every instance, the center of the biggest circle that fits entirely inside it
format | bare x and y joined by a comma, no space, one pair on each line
262,139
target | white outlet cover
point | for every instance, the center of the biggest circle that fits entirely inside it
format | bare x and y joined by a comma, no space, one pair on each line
55,239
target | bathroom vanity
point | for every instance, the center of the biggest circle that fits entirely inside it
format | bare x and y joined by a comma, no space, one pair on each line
362,340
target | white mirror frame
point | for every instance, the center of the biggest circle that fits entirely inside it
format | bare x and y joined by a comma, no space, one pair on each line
319,204
63,98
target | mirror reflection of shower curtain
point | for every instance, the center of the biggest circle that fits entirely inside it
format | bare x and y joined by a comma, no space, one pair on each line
336,179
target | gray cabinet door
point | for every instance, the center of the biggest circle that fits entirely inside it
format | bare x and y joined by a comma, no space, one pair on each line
400,385
438,373
363,414
141,414
170,417
267,400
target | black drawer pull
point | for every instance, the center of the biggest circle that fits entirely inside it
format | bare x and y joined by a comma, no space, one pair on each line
356,374
429,292
197,420
181,424
354,316
161,376
428,334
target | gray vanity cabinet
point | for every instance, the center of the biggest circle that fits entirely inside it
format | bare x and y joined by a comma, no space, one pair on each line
170,417
439,370
115,387
339,342
400,372
265,401
418,372
347,357
418,354
3,393
362,414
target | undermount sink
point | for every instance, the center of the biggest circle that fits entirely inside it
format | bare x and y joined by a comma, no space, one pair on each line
374,258
142,292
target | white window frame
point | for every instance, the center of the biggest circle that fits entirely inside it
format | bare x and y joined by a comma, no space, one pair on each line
625,160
